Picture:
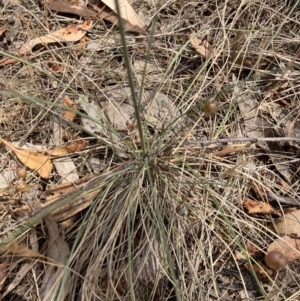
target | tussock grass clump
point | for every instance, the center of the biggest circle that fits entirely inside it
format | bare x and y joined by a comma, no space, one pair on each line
169,222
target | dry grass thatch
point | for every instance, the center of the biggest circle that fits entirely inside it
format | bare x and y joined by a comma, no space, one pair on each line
168,221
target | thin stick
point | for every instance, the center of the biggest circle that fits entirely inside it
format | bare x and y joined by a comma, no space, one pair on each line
239,140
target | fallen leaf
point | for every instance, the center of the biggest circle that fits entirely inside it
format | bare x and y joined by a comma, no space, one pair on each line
127,13
81,46
264,272
59,251
64,6
55,192
69,115
233,148
7,61
288,246
69,34
13,30
22,272
202,46
252,249
33,160
258,127
292,127
289,224
3,29
20,250
68,149
113,115
55,67
254,207
66,169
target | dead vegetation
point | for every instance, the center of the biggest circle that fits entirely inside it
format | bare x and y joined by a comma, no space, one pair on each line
165,168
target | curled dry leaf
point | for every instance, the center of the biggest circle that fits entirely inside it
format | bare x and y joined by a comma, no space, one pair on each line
202,46
69,149
31,159
69,115
55,192
20,250
22,272
7,61
64,6
254,207
69,34
233,148
256,126
127,13
81,46
263,272
59,251
3,29
289,224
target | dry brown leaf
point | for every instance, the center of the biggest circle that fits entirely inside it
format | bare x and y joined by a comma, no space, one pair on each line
81,46
264,272
7,61
59,251
31,159
256,127
252,249
290,126
289,224
233,148
22,272
69,149
69,34
288,246
254,207
70,104
3,29
20,250
202,46
56,192
127,13
54,66
64,6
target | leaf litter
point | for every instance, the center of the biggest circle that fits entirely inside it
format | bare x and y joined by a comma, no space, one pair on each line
105,118
69,34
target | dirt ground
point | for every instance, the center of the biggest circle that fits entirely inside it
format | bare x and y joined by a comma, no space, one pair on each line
150,151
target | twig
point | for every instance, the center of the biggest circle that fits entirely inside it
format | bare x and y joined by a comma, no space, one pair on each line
239,140
282,200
